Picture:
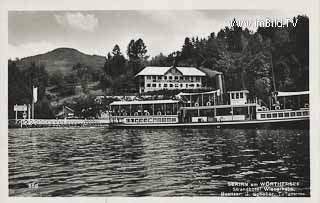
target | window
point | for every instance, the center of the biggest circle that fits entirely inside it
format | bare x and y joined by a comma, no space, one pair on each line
186,85
237,95
292,113
154,85
197,78
154,77
299,113
176,77
148,85
286,114
148,77
191,85
176,85
159,85
198,85
165,85
232,95
181,85
274,115
171,85
305,113
280,115
165,77
181,78
241,94
268,115
263,115
170,77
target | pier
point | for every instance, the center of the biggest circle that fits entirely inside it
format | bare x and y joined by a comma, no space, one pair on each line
42,123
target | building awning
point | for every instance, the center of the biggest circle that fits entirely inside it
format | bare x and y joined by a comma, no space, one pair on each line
199,93
136,102
288,94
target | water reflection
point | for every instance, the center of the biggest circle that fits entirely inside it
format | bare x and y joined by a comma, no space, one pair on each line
157,162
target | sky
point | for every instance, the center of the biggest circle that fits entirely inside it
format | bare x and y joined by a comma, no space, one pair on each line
96,32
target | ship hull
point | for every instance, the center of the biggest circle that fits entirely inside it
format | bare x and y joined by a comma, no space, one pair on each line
276,123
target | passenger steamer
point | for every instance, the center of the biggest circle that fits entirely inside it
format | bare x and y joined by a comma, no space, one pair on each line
211,109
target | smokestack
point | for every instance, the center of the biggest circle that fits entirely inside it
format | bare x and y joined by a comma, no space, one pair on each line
220,83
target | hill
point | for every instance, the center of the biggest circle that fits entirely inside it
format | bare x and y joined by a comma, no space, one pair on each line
63,59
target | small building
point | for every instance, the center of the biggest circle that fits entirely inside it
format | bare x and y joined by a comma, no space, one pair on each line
66,112
153,78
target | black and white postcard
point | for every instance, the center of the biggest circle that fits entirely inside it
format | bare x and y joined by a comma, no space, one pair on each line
167,102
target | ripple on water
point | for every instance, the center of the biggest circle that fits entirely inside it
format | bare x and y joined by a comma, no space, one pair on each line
157,162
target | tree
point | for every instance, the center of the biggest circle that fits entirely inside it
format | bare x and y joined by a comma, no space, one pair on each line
137,55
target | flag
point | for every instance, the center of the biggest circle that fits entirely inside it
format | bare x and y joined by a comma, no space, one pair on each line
35,94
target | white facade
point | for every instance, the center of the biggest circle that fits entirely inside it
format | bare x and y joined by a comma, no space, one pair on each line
158,78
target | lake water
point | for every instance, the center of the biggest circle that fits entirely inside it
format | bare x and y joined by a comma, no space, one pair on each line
155,162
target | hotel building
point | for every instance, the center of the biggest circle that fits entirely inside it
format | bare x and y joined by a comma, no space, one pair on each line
157,78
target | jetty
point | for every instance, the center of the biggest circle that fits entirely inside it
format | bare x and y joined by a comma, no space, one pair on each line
42,123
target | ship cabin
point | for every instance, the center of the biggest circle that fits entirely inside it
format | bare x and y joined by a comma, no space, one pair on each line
144,112
210,107
286,105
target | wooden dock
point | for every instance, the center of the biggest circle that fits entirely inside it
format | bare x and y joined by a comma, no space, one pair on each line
41,123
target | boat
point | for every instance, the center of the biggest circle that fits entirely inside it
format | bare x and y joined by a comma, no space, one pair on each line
214,108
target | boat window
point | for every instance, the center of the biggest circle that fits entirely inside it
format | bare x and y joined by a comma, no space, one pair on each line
198,85
145,120
163,120
305,113
241,94
186,85
173,119
154,85
232,95
169,120
280,115
268,115
171,85
237,95
263,115
181,85
159,85
286,114
299,113
165,85
293,114
150,120
274,115
136,121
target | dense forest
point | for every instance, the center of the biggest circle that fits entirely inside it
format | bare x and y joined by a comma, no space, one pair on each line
262,61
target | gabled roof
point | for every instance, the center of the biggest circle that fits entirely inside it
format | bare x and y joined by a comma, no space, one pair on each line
186,71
